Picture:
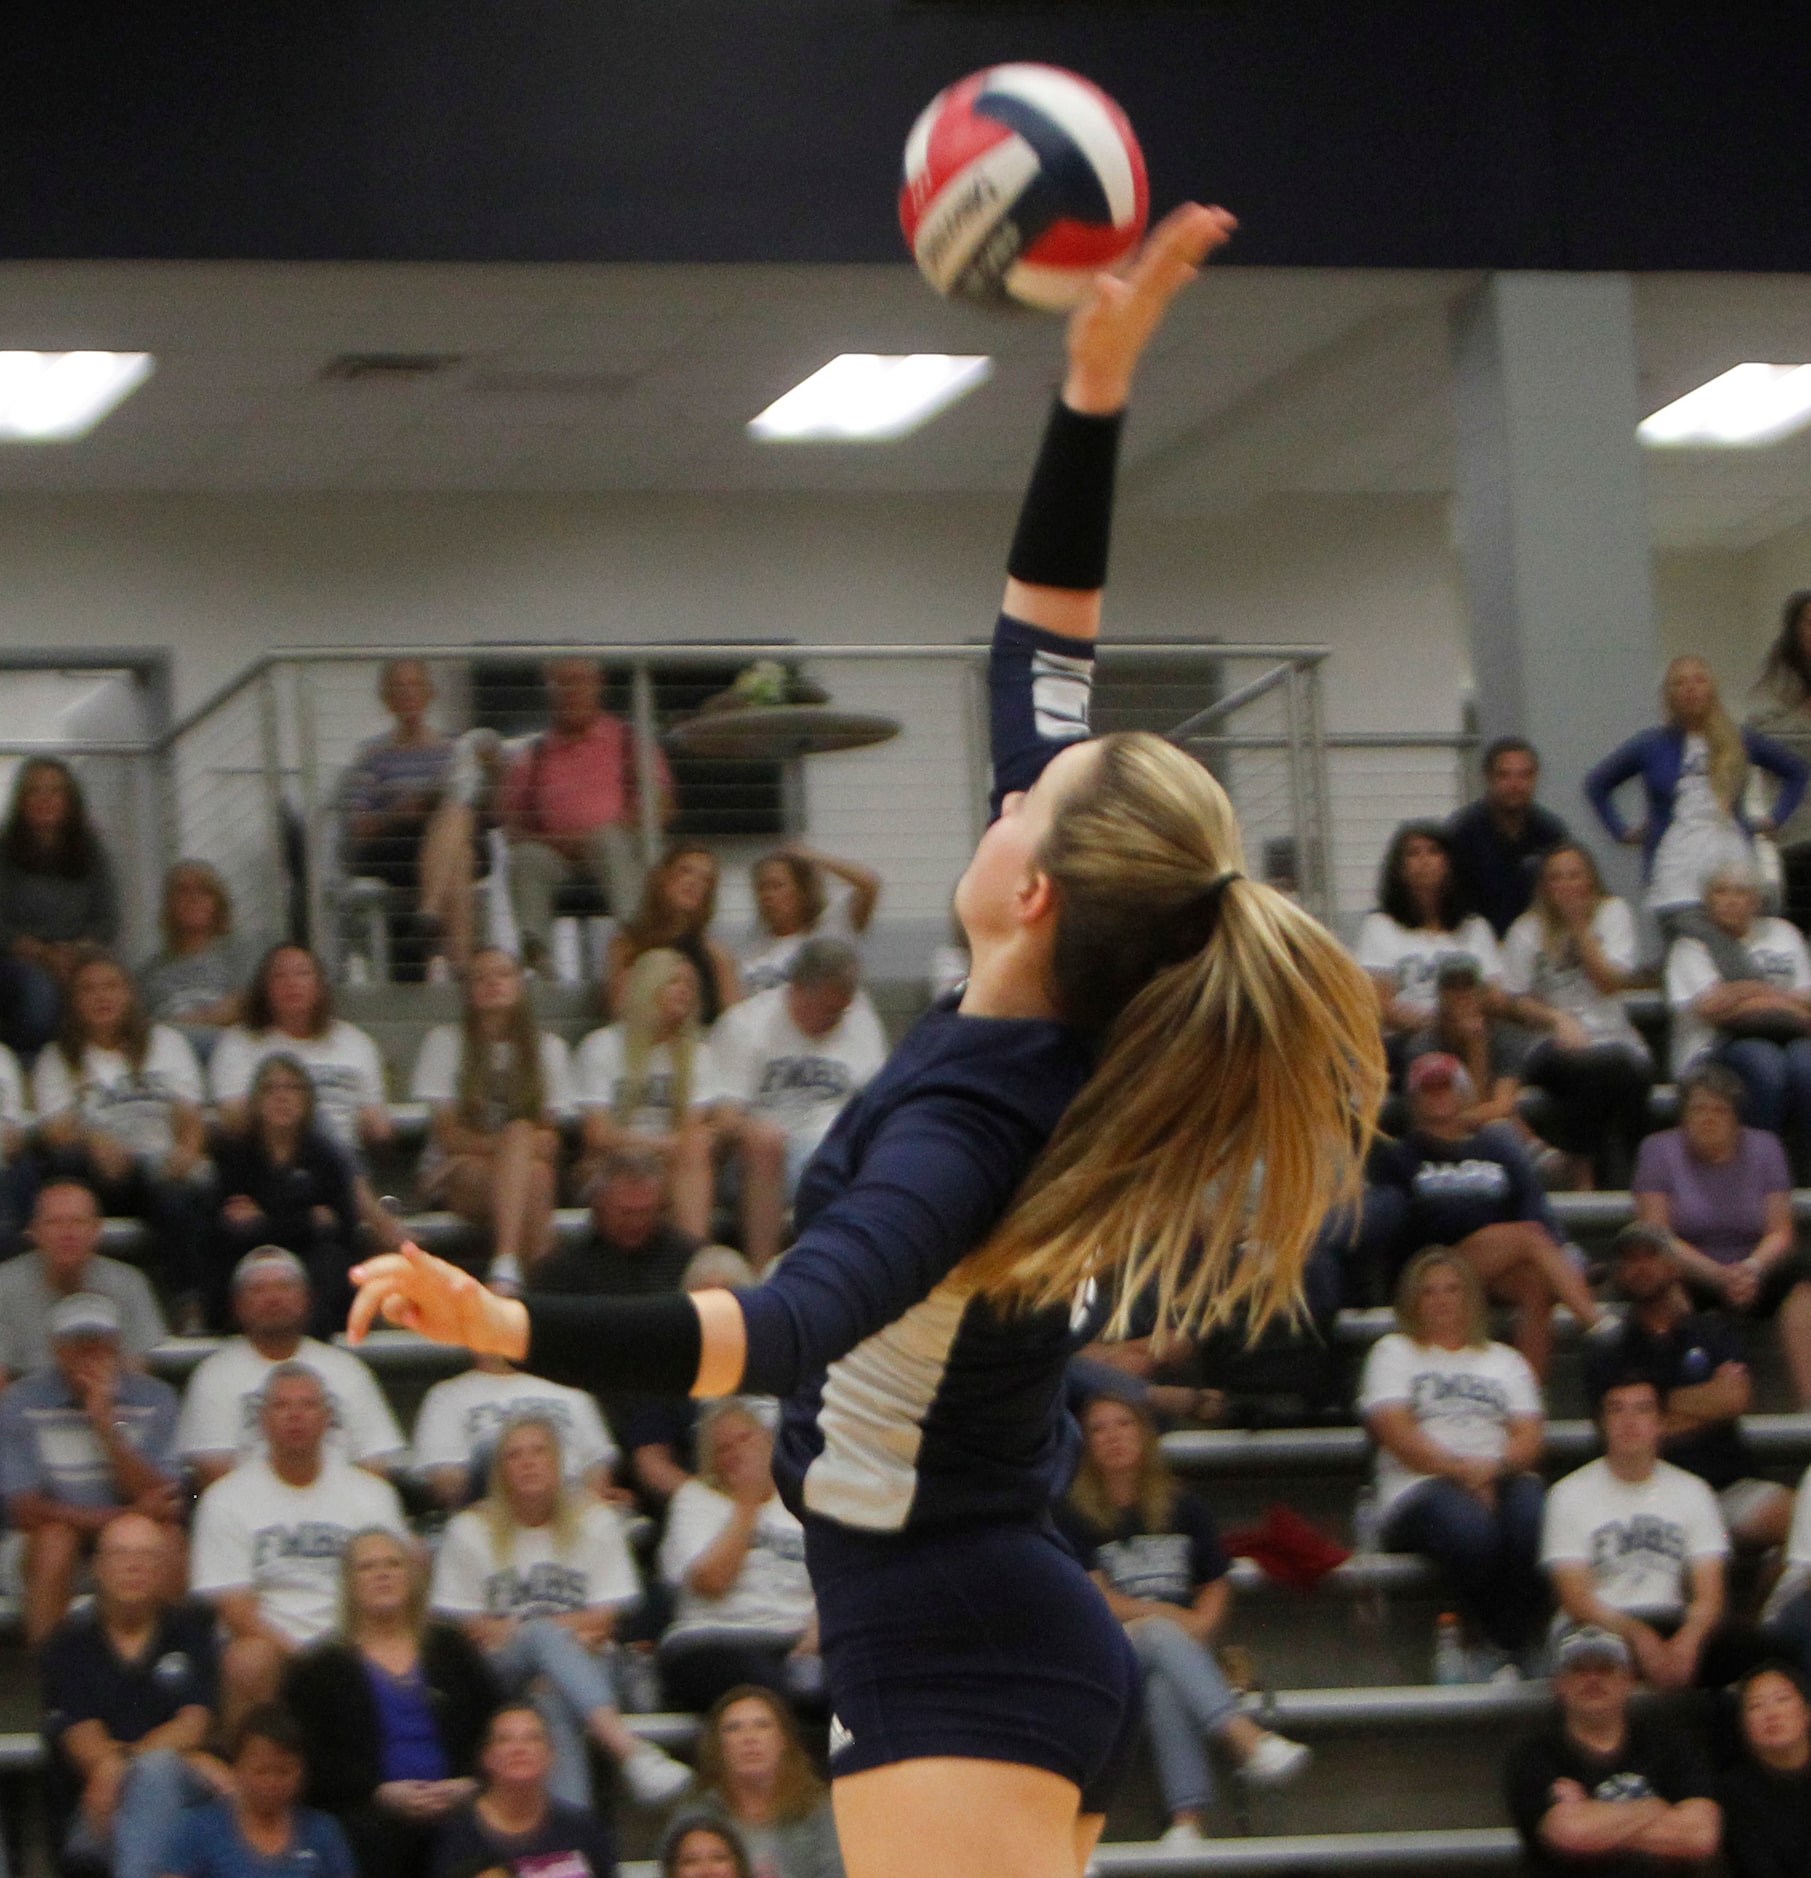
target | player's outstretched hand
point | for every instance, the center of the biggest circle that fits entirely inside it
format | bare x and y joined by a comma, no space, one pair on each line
1109,331
415,1291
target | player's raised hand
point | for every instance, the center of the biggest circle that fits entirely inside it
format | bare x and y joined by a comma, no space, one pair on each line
1109,331
415,1291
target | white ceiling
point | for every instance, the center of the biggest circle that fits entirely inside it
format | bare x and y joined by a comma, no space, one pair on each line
641,378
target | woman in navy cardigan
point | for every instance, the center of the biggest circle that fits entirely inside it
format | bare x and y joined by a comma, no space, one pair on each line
1693,770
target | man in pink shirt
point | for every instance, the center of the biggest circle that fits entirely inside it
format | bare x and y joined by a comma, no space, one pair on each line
571,807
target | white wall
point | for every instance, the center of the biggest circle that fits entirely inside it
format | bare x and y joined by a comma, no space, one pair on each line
221,578
218,579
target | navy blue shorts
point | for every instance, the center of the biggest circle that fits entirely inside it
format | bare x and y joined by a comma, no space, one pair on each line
984,1644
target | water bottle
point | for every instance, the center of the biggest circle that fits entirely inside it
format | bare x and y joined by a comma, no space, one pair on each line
1449,1651
1367,1523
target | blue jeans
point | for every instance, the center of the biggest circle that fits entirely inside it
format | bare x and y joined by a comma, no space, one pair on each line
1777,1080
31,1003
157,1789
570,1684
1491,1556
1186,1699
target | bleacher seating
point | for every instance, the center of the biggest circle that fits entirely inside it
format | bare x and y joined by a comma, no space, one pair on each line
1369,1620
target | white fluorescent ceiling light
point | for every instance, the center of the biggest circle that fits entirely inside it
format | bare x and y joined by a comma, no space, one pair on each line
49,397
1744,406
869,397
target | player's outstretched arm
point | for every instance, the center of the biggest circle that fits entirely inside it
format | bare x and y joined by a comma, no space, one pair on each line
1108,334
695,1343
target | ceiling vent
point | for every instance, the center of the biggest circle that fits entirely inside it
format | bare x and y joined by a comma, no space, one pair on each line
388,368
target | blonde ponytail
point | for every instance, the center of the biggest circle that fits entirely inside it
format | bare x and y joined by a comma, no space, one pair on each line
1240,1073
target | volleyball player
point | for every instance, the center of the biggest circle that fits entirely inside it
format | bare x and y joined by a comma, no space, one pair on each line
1143,1033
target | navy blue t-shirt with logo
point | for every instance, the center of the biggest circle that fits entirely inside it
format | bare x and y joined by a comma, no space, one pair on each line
84,1678
1168,1564
1456,1188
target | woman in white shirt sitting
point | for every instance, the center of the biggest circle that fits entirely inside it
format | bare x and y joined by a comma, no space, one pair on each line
642,1079
1420,923
793,904
119,1104
289,1011
289,1008
1738,984
735,1558
1566,963
1458,1424
497,1088
536,1573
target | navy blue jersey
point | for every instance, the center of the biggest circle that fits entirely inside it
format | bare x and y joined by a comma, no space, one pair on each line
1168,1564
909,1405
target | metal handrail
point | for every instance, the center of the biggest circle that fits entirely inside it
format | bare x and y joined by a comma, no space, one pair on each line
688,652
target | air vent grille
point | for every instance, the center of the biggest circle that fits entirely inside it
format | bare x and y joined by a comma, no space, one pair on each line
388,368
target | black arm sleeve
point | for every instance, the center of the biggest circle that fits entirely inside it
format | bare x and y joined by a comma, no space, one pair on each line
1066,524
647,1345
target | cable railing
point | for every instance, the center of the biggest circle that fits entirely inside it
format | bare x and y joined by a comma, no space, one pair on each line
254,779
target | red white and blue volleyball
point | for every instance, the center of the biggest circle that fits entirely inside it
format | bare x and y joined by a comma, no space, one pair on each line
1021,184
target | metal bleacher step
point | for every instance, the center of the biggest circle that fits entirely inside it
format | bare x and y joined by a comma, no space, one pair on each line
1451,1848
1591,1215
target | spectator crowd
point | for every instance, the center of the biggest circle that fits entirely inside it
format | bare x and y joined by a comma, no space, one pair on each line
271,1625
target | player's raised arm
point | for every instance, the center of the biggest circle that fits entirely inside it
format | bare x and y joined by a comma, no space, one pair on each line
1058,563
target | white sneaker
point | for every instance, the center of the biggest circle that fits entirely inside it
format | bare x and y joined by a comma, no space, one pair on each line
505,1275
1276,1761
653,1775
1184,1832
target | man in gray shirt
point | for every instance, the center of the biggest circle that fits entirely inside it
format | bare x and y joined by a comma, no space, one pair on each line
65,1258
79,1442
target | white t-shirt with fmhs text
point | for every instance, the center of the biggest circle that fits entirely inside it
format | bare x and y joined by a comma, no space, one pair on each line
105,1094
255,1532
1637,1537
221,1405
343,1064
602,1075
1532,969
766,1063
1411,960
436,1078
534,1576
1462,1400
1780,960
461,1418
764,961
771,1597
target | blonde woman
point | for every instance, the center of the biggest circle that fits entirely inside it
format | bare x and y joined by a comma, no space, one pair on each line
1459,1427
497,1087
1154,1550
734,1557
1566,963
1143,1028
392,1709
198,979
643,1080
536,1573
678,904
1693,771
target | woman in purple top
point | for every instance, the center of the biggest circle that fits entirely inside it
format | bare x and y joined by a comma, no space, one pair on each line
1143,1029
1724,1193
